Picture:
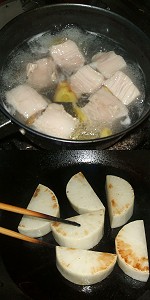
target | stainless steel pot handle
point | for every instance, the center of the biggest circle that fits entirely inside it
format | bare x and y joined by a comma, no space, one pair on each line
6,126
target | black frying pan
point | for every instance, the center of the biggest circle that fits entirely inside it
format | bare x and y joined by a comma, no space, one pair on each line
131,39
28,271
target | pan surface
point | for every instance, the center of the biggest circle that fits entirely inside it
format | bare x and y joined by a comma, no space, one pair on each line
88,18
28,271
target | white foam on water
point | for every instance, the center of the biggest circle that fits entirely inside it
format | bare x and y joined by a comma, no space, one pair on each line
89,44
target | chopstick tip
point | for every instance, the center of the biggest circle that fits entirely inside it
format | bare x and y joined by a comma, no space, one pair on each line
77,224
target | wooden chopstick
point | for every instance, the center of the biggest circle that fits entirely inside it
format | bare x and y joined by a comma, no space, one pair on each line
32,213
23,237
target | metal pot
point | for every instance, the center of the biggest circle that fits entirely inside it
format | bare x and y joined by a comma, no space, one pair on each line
131,38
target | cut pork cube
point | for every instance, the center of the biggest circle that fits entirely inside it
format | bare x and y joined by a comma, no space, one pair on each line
122,87
67,56
84,267
104,107
44,201
41,74
26,101
55,121
86,236
86,81
108,63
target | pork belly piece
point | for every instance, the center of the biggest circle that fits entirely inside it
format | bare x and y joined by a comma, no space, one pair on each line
26,101
55,121
67,56
86,81
122,87
104,107
42,73
108,63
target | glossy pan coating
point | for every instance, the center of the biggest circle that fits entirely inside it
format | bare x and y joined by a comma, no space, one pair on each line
32,267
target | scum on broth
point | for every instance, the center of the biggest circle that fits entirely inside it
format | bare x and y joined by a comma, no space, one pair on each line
14,72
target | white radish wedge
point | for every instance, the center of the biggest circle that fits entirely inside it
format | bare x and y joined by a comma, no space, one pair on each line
131,249
120,200
84,237
82,197
43,201
84,267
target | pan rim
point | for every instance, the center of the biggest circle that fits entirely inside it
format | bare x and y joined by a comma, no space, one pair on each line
24,128
88,158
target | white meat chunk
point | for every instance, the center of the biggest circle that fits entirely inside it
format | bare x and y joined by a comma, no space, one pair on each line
86,81
67,56
104,107
26,101
108,63
55,121
122,87
42,73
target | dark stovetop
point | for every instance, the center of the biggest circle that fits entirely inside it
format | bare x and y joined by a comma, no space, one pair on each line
137,12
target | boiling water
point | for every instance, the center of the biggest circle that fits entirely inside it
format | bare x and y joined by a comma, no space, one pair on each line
89,43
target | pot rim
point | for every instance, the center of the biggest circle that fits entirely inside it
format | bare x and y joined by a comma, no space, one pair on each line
25,128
